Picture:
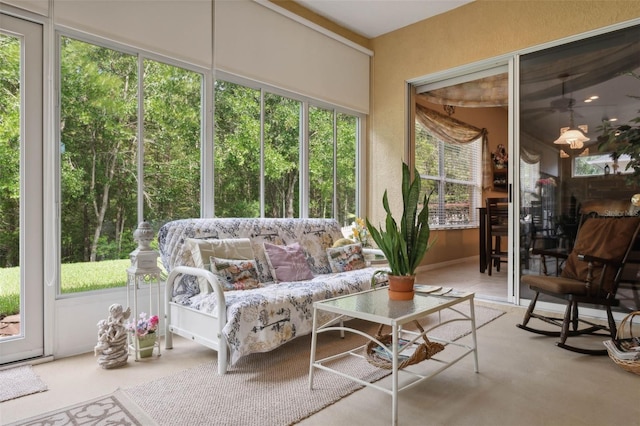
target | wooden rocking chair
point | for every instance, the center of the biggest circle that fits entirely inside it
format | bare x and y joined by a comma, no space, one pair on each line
591,274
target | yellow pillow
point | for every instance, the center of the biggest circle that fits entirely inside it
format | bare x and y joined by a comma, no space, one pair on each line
343,242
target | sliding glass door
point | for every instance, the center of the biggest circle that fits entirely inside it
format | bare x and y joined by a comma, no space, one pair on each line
21,193
586,85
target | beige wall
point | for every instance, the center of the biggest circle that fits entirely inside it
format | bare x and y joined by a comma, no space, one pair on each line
475,32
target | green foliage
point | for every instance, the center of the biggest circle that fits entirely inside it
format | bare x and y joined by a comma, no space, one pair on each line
99,151
237,150
77,277
9,304
239,156
9,150
624,139
405,245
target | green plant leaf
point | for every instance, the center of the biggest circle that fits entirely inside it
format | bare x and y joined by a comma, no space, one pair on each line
405,247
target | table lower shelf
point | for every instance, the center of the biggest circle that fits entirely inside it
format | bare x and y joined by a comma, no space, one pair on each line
412,374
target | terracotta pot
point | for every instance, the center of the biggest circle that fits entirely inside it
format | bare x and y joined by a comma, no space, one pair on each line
401,287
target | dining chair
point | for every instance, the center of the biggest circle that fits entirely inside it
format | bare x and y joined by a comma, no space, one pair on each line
497,229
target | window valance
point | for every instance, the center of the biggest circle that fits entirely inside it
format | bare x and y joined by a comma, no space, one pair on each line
454,131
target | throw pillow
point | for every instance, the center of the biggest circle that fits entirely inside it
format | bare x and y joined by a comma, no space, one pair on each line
228,248
346,258
287,263
235,274
202,249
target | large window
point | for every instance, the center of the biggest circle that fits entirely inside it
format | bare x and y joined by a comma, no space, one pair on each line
601,164
109,178
131,147
332,164
264,162
451,173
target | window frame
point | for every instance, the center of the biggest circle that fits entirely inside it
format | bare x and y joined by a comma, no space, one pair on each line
618,169
306,103
442,180
141,56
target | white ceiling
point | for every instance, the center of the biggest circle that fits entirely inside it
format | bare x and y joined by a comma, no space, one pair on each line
372,18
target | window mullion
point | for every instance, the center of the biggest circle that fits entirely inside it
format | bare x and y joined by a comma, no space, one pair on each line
262,153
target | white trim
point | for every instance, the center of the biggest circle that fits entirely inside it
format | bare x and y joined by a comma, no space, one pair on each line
513,128
463,78
299,19
303,159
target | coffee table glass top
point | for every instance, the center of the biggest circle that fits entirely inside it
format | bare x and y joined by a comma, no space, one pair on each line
374,305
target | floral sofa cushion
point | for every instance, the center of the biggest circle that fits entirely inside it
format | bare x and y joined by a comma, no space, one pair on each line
261,319
314,235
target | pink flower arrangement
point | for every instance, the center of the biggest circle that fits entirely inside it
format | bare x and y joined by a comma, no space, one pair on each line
546,182
143,326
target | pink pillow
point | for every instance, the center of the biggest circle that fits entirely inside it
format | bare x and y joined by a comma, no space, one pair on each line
288,263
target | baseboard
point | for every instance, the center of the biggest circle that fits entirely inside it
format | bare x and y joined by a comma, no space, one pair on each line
424,268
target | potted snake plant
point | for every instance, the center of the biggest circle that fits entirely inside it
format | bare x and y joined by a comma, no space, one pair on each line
405,243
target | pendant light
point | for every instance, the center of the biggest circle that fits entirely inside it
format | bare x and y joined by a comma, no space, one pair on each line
572,135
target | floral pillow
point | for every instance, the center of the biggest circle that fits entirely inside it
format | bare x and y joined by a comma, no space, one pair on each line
235,274
346,258
287,263
226,248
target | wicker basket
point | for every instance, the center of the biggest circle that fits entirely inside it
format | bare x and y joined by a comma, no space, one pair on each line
423,351
626,331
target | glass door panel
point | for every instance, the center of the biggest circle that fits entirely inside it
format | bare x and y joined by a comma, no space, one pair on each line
586,84
21,242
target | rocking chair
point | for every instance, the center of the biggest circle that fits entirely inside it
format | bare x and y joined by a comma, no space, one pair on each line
591,273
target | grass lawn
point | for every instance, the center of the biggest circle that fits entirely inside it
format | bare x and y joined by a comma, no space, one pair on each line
75,277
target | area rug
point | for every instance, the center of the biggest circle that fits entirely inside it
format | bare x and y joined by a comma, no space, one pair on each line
19,381
270,388
114,409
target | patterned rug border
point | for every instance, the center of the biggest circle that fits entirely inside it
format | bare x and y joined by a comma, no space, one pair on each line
114,408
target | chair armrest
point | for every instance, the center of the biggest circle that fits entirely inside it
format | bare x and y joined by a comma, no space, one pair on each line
595,259
559,253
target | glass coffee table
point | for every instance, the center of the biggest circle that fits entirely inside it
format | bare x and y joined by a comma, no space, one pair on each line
375,306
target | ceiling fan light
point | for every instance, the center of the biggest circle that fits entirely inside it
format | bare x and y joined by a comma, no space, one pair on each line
572,137
575,144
